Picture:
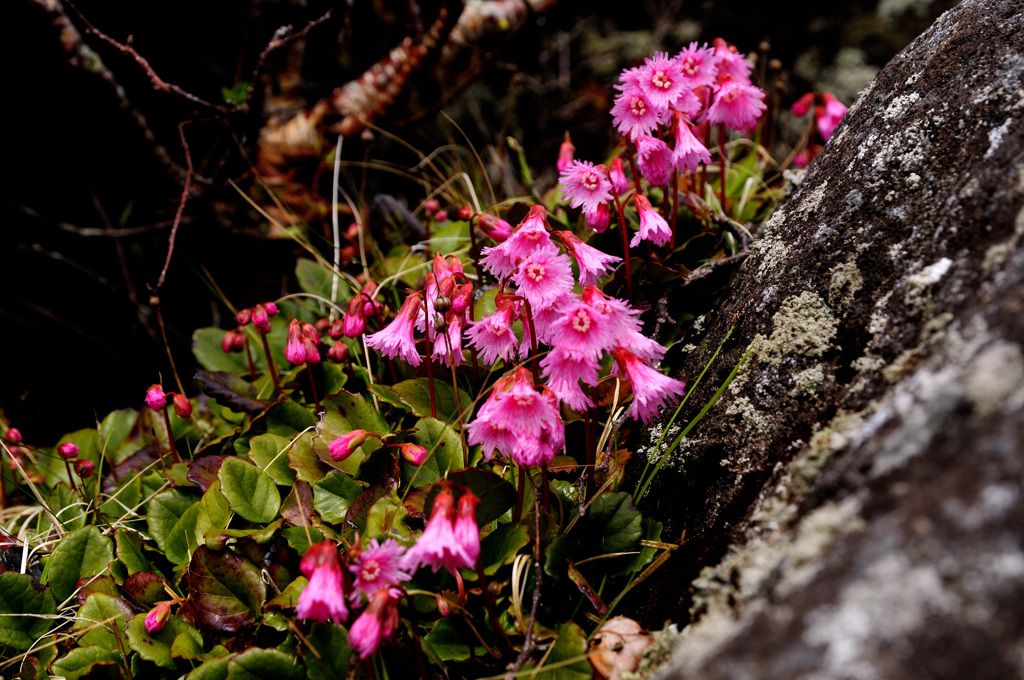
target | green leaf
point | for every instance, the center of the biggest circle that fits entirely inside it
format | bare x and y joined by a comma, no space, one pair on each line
287,417
445,453
334,377
570,649
216,539
80,554
235,94
129,551
299,540
615,523
486,305
214,669
172,520
17,597
414,395
264,664
214,512
451,237
651,532
304,461
333,495
496,495
344,413
501,545
270,453
156,647
80,662
331,642
448,643
385,519
114,434
289,597
250,492
226,590
67,507
359,413
206,348
186,647
99,608
317,279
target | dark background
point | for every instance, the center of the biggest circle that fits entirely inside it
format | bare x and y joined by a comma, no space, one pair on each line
79,335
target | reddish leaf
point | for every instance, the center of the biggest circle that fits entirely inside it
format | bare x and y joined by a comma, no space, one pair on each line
297,508
145,589
225,591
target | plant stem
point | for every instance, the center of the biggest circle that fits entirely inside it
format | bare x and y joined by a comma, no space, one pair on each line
538,577
533,343
625,249
492,614
170,436
675,207
724,165
430,374
312,386
270,363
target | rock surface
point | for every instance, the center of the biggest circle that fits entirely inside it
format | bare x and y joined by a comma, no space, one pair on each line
854,504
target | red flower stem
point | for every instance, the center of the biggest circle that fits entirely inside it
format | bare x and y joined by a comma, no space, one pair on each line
3,487
625,249
521,488
473,255
636,175
170,436
675,207
312,386
430,376
533,343
591,446
270,363
545,486
248,355
724,165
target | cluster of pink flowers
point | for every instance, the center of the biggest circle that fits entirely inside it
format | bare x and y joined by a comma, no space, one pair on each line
303,343
157,400
828,111
699,87
451,540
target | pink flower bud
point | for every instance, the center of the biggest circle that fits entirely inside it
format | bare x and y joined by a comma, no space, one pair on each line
495,227
442,605
68,450
182,406
295,350
243,316
342,447
441,216
270,307
336,329
14,435
355,319
338,351
322,325
565,154
465,212
617,175
84,468
157,617
413,453
463,298
227,343
432,206
155,397
260,319
803,105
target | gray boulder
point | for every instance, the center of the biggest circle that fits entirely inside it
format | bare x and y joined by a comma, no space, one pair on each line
853,506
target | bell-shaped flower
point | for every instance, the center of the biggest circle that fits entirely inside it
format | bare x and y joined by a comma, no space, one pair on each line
323,597
377,622
378,566
654,159
651,388
398,337
653,226
593,264
736,105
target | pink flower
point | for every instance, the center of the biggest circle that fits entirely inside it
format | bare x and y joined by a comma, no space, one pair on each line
343,446
651,389
583,329
564,368
68,450
493,337
654,159
653,226
155,397
446,541
697,65
84,468
323,597
398,337
585,185
157,617
182,406
829,118
234,340
592,263
661,79
544,276
261,317
599,219
355,317
565,154
633,115
737,105
295,350
448,344
495,227
803,105
689,152
617,176
379,566
377,622
730,62
531,235
311,342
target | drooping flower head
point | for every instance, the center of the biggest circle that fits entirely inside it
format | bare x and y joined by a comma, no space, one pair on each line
689,153
157,617
737,105
493,337
564,369
599,219
495,227
830,115
377,566
295,350
355,317
466,530
654,160
377,622
182,406
414,454
585,185
323,597
582,329
617,176
730,62
530,235
653,226
398,337
651,389
593,264
440,545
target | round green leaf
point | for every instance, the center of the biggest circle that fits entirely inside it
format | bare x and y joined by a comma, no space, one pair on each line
264,664
214,669
446,453
501,545
100,608
250,492
270,453
18,597
615,522
333,495
570,649
226,591
331,642
129,551
80,661
80,554
172,523
156,647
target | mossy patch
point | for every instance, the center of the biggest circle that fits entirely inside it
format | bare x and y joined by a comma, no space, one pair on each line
803,326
